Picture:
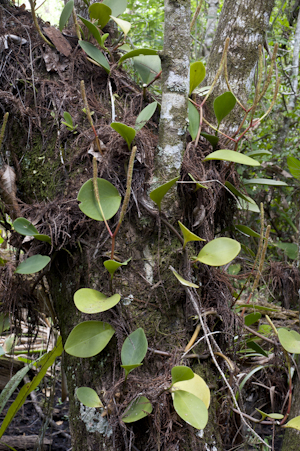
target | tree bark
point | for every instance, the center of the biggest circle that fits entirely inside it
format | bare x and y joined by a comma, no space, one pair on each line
212,20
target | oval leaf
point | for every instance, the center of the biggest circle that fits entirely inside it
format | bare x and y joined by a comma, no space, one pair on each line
117,6
181,373
293,423
137,409
65,14
134,348
112,266
188,235
96,54
136,52
197,74
100,12
123,24
145,115
92,301
219,252
194,120
33,264
190,408
148,67
252,318
294,167
24,227
197,386
268,182
110,199
88,397
159,193
223,104
88,338
231,155
183,282
290,340
128,133
92,29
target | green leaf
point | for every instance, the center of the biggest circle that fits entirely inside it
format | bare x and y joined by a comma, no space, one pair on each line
294,167
33,264
293,423
290,249
88,338
252,318
188,235
159,193
68,119
95,54
197,74
65,14
269,182
88,397
137,409
110,199
275,416
91,301
117,6
198,185
181,373
112,266
238,193
194,120
92,29
247,377
134,348
253,345
100,12
243,205
247,231
183,282
123,24
137,52
290,340
197,386
24,227
219,252
128,133
129,368
259,153
231,155
144,116
223,105
210,138
28,388
190,408
147,66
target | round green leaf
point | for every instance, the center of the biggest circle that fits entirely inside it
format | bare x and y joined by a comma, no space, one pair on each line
159,193
24,227
109,197
223,104
134,348
181,373
252,318
231,155
137,409
33,264
88,338
128,133
197,74
65,14
145,115
268,182
219,252
293,423
197,386
188,235
183,281
290,340
94,53
92,301
88,397
148,66
190,408
100,12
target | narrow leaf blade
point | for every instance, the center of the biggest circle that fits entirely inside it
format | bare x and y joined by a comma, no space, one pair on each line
65,14
159,193
231,155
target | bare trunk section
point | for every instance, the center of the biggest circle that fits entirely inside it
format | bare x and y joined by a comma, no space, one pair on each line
212,20
295,69
245,22
175,89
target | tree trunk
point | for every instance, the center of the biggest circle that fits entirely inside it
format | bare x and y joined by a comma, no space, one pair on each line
212,20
